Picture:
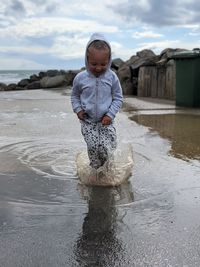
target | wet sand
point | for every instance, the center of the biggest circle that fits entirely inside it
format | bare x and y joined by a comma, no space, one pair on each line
48,219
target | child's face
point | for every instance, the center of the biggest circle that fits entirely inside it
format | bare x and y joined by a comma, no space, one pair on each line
98,60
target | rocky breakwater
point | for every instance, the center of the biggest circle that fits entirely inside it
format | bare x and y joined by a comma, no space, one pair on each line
148,74
45,79
144,74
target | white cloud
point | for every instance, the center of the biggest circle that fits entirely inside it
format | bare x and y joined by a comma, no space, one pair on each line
146,34
69,48
157,47
194,34
159,13
98,10
144,4
23,64
193,27
119,51
68,37
47,26
20,9
23,49
57,31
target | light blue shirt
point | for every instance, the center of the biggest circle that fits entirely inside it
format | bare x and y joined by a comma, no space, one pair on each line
97,96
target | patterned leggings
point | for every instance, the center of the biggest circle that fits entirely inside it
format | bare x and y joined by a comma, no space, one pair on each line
100,140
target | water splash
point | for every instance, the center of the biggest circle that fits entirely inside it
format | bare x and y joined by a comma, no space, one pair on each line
114,172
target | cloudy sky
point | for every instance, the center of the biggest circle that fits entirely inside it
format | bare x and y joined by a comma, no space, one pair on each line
45,34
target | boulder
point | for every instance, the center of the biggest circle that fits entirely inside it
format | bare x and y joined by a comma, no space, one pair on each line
42,74
53,81
162,62
145,53
3,87
132,60
23,83
168,52
144,62
34,78
11,86
124,74
69,76
62,72
117,63
53,73
34,85
144,74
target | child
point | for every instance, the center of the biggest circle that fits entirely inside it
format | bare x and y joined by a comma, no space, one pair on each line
96,98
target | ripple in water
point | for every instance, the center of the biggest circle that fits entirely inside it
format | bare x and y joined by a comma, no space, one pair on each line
52,158
57,159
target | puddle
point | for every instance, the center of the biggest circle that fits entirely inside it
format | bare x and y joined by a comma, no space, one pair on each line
47,218
182,130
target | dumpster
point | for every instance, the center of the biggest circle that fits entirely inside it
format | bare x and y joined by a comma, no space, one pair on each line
187,78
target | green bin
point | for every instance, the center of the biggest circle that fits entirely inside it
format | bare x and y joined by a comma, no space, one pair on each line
187,78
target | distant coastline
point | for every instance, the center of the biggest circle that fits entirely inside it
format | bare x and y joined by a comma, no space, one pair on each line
14,76
35,79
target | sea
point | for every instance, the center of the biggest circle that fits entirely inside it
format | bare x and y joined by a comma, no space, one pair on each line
14,76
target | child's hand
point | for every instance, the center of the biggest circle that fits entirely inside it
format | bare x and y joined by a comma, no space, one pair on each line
81,115
106,120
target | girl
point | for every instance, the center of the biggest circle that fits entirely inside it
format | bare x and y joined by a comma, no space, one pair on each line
96,98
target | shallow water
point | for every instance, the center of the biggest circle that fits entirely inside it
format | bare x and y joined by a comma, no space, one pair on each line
182,130
47,218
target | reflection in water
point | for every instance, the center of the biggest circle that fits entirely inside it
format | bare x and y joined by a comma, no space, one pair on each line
182,130
98,244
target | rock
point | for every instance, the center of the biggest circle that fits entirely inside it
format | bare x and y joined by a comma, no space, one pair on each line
144,62
129,71
34,78
23,83
3,87
196,49
53,73
162,62
132,60
42,74
63,71
53,81
145,53
34,85
69,76
124,74
168,52
142,73
11,86
117,63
